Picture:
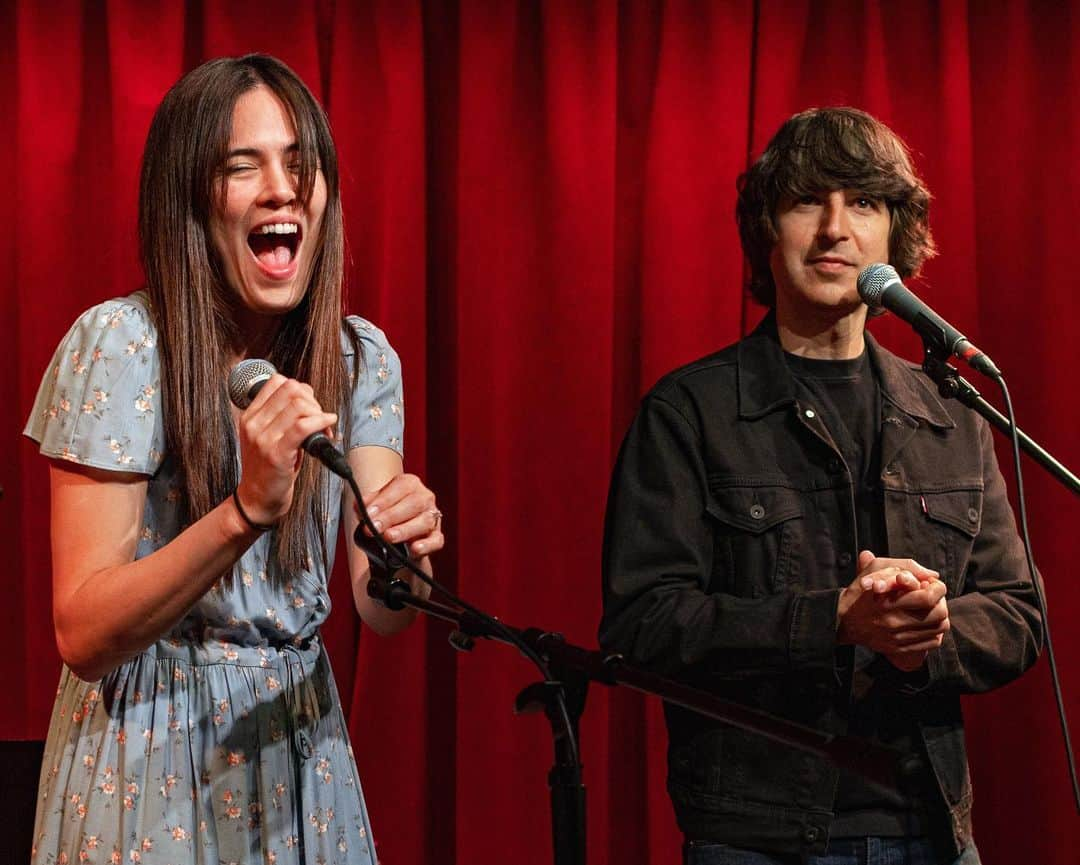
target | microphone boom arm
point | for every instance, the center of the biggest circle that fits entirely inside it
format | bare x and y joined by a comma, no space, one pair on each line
952,385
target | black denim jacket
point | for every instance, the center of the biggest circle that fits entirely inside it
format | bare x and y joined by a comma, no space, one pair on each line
729,537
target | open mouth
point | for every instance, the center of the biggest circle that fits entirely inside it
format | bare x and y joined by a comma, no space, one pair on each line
275,245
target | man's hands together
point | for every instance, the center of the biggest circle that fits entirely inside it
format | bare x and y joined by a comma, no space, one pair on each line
895,607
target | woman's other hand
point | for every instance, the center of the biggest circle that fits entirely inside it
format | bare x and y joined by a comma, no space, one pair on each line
404,511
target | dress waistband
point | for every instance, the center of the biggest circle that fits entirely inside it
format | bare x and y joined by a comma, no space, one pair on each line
216,653
302,668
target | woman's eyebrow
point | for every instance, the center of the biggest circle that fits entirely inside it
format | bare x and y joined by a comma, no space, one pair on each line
255,151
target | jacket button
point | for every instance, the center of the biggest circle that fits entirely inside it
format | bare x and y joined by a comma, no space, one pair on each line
757,512
973,515
809,413
891,469
811,833
844,559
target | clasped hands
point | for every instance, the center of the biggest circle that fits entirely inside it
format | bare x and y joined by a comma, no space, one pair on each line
895,607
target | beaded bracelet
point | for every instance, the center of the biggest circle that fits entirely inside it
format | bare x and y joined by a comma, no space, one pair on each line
259,527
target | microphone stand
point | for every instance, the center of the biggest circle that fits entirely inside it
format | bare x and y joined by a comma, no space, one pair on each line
573,667
952,385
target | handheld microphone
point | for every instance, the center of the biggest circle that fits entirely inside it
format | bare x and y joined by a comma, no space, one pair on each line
246,380
880,286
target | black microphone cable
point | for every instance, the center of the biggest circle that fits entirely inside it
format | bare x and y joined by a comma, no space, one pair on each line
1040,597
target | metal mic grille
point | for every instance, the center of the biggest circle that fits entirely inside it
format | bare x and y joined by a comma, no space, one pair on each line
246,378
873,281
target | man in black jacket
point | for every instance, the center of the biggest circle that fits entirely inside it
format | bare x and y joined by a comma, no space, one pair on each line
799,523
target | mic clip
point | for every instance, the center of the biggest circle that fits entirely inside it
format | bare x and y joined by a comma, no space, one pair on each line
385,560
386,556
951,385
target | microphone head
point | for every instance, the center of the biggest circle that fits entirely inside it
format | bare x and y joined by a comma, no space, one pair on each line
873,281
246,378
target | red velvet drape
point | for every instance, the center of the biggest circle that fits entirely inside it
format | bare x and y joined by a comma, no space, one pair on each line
539,208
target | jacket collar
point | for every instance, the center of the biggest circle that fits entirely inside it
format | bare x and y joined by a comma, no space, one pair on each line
765,383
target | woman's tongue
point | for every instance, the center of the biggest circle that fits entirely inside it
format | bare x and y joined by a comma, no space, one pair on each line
276,257
274,253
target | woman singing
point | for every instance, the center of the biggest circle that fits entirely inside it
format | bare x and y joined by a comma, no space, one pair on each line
197,720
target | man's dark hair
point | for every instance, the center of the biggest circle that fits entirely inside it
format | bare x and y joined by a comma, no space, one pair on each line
824,149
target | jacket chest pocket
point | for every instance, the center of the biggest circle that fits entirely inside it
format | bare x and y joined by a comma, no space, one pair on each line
756,533
954,518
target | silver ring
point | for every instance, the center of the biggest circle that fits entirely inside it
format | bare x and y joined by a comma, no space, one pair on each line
437,514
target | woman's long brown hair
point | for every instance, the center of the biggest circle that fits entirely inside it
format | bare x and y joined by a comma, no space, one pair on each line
181,180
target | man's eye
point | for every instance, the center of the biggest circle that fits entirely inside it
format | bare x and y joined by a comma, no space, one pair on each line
238,168
806,200
865,202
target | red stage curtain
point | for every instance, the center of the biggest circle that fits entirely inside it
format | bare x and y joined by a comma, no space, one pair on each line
539,204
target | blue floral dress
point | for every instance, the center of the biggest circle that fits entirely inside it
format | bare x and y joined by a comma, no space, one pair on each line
224,741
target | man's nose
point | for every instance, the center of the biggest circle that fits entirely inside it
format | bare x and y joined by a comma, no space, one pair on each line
834,218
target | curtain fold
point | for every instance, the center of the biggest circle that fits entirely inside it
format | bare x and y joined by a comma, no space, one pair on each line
539,205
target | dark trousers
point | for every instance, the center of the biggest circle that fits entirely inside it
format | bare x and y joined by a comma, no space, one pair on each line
841,851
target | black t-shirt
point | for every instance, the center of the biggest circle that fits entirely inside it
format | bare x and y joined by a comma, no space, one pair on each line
846,395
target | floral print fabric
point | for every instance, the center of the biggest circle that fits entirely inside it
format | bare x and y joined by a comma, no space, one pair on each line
224,741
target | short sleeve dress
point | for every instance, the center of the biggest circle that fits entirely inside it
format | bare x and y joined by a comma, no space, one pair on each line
224,741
